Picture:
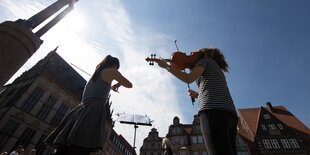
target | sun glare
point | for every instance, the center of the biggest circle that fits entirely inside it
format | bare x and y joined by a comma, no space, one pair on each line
75,21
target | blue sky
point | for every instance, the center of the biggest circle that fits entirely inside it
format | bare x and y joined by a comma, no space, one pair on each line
266,43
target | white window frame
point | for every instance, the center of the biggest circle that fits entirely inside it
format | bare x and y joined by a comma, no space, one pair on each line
280,126
274,143
294,143
266,116
285,143
267,144
272,127
264,127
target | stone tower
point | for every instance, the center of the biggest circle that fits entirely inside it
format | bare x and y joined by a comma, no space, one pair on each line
17,41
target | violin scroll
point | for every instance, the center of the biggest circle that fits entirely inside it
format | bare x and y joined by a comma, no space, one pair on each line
152,59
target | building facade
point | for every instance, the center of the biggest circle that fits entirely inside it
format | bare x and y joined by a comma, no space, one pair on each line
261,131
273,130
35,103
186,139
152,144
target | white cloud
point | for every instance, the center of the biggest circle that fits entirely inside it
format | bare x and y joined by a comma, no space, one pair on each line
21,8
154,92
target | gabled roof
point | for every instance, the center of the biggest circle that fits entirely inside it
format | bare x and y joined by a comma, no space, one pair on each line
251,118
290,120
56,68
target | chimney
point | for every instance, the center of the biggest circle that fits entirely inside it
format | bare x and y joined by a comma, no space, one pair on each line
270,107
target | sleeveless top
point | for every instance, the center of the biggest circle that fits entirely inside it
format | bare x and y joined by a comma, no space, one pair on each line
213,89
96,89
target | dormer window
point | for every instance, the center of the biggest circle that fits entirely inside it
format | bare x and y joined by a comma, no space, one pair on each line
280,126
263,127
266,116
272,127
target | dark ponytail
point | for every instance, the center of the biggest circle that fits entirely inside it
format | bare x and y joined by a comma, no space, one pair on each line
107,62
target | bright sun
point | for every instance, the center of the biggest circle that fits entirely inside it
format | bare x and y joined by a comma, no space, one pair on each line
74,21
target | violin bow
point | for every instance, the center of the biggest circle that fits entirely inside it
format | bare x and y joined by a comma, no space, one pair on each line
192,98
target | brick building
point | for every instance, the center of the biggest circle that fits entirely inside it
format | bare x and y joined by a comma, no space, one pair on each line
152,144
273,130
261,131
186,139
35,103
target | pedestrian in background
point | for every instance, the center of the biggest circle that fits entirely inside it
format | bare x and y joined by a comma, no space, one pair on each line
166,145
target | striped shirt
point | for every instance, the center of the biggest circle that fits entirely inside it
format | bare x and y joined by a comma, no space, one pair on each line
213,90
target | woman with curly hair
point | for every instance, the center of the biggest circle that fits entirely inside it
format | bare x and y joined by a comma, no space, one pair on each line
216,110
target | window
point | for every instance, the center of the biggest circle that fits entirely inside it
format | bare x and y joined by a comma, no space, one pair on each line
194,139
7,131
32,99
294,143
272,127
47,107
267,144
26,137
280,126
266,116
285,143
275,143
10,127
182,140
200,140
60,113
263,127
4,139
176,140
40,145
178,130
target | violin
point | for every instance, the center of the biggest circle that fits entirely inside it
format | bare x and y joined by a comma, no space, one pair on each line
178,60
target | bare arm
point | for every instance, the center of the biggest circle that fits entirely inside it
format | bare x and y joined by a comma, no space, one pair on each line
111,74
122,80
185,77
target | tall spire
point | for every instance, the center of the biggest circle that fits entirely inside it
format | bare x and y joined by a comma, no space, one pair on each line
18,43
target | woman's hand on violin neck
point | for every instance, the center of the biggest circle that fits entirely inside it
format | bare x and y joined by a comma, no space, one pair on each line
162,63
192,93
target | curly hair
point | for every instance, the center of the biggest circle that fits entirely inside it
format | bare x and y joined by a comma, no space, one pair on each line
216,55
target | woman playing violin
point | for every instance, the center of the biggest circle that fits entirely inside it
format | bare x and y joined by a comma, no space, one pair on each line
216,110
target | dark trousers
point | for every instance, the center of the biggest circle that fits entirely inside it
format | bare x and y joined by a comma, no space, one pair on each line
72,150
219,130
